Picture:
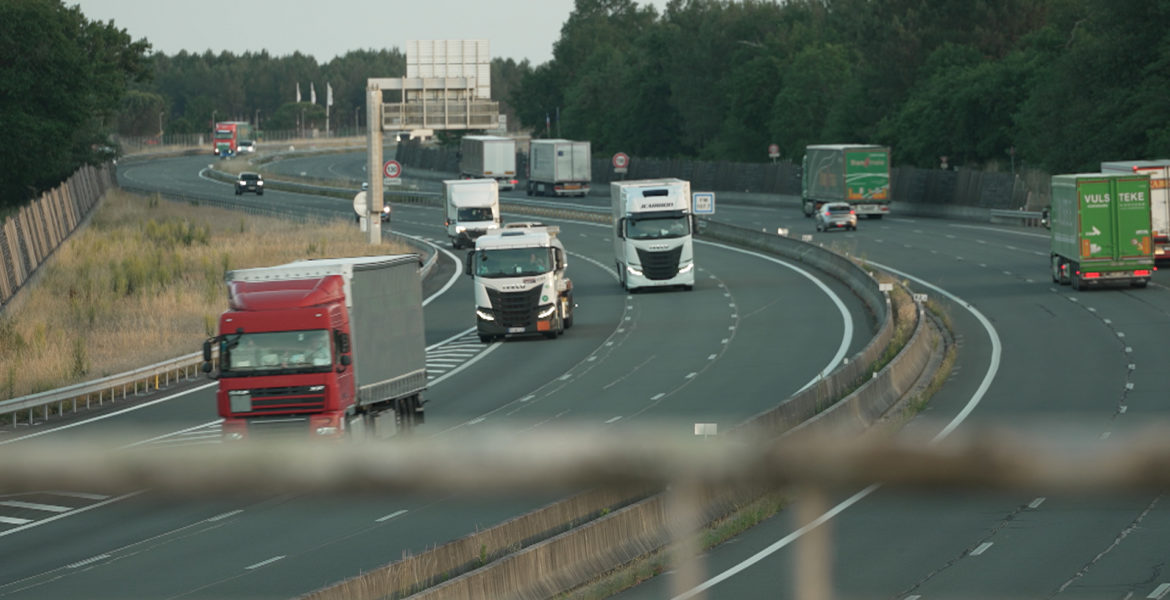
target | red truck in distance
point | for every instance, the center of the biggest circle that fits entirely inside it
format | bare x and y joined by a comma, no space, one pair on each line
228,135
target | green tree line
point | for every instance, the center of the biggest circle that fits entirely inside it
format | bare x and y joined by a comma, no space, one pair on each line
1053,84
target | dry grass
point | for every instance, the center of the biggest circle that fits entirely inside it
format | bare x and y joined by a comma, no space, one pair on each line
143,282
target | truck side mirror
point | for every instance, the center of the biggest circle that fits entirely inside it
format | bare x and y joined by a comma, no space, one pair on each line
207,354
343,342
621,228
346,360
467,260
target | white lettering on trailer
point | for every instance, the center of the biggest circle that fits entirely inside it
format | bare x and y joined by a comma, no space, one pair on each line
1097,198
1133,197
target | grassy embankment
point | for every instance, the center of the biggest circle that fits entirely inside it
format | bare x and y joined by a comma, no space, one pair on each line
143,282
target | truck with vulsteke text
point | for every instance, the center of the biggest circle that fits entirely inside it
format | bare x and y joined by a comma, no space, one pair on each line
1100,226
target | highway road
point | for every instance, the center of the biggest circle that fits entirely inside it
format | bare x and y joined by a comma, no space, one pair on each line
1084,367
754,330
1032,355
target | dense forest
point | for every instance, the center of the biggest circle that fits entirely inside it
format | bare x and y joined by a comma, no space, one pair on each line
1053,84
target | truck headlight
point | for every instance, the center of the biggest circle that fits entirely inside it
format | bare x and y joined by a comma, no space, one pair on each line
632,271
259,183
547,312
484,314
241,182
460,229
687,268
326,430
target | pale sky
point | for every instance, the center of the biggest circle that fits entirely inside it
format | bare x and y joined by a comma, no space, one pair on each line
517,29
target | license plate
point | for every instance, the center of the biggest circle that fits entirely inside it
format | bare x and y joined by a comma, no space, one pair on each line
515,330
867,208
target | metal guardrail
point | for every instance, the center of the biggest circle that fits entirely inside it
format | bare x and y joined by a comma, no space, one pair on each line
101,391
1027,218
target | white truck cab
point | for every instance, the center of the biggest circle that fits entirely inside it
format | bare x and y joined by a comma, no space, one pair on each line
520,283
653,227
473,209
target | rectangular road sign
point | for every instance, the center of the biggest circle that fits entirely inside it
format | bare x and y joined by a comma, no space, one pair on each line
703,203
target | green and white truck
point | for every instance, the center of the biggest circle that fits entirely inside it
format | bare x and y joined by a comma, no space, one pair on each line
1101,229
854,173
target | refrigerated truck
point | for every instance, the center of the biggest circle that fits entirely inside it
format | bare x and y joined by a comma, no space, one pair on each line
858,174
1159,173
559,167
653,233
489,157
473,209
321,349
1100,225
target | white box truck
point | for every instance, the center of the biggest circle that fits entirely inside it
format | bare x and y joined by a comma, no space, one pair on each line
473,209
653,227
489,157
1159,172
520,282
559,168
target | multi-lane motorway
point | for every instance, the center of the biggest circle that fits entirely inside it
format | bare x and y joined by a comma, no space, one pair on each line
754,330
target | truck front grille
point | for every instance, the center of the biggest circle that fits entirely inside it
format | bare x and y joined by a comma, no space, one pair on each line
515,309
286,400
268,428
659,265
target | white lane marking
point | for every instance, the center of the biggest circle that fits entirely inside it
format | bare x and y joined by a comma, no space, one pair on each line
1160,591
82,563
613,420
14,521
477,421
390,516
225,515
982,548
175,433
81,495
63,515
265,562
1023,233
35,506
110,415
1036,503
657,396
972,403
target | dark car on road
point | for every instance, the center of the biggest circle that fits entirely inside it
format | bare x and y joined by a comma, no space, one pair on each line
250,182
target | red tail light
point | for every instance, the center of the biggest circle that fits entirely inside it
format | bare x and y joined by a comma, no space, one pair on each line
1142,273
1091,275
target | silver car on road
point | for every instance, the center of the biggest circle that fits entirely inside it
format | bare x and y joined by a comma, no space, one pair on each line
835,215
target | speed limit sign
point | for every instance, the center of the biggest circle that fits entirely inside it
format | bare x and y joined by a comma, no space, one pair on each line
392,169
621,162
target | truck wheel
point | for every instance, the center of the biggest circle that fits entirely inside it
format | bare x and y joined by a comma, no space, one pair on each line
1076,281
529,190
1141,283
1055,261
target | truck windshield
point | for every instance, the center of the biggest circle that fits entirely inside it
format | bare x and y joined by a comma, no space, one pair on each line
475,213
223,134
658,227
279,350
512,262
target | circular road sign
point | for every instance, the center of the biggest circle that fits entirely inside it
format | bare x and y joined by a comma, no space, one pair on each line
621,160
361,205
773,150
392,169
